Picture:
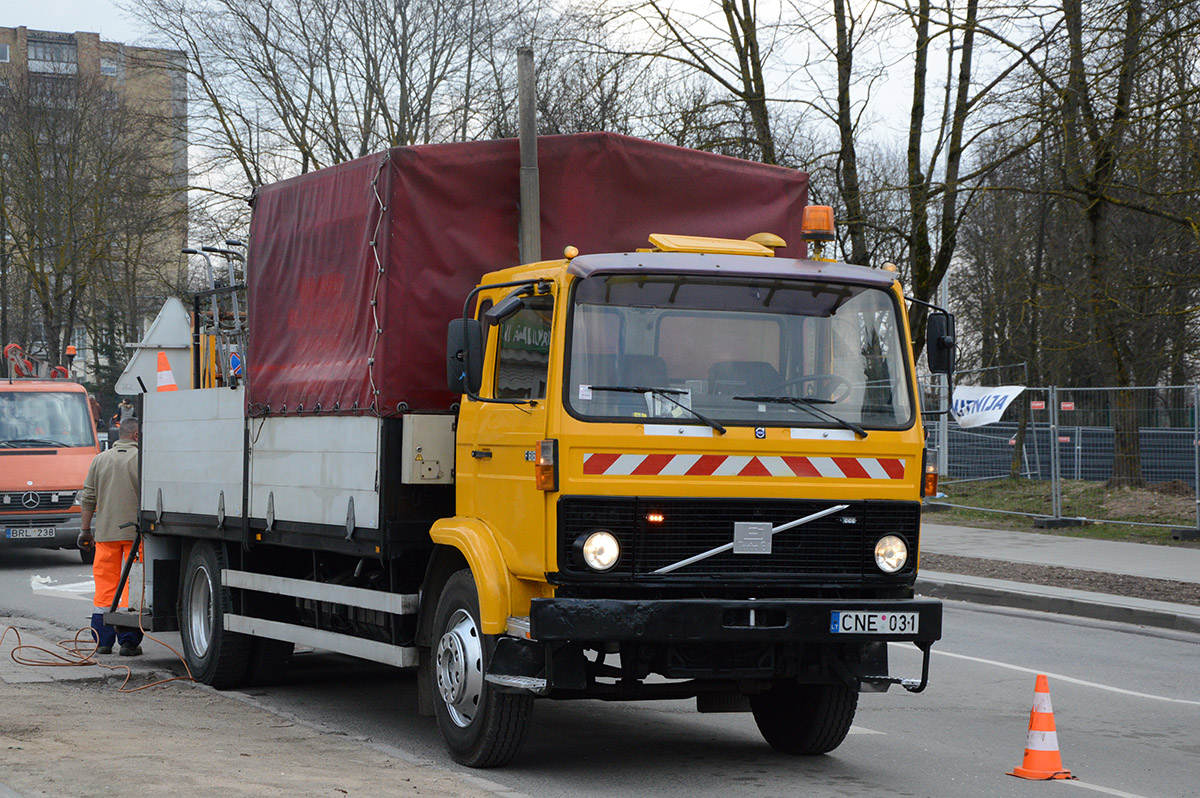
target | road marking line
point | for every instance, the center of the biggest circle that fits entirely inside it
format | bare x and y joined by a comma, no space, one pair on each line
74,590
863,730
1059,677
1098,788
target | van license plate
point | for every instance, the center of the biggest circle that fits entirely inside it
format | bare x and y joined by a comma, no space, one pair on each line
858,622
13,533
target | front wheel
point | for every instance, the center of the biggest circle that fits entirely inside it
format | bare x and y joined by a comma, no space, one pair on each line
804,719
214,655
482,728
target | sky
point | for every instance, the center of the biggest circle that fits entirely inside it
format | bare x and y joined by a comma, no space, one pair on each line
93,16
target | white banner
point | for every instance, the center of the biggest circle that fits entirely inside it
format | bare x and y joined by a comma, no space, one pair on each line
975,406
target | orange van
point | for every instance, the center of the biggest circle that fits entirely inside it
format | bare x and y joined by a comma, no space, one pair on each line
47,441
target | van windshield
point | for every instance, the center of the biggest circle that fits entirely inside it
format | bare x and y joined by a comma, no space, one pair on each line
36,419
762,352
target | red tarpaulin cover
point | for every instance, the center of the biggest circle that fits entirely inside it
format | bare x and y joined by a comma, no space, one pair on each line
451,215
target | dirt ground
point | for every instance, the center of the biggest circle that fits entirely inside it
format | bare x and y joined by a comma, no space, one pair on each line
1163,502
1071,578
83,738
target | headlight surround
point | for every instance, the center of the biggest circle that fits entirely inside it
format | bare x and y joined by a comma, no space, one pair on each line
599,549
891,553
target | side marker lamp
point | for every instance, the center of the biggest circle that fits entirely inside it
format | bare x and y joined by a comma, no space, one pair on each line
546,465
931,480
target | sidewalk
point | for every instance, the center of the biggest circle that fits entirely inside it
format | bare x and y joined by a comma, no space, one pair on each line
1134,559
67,731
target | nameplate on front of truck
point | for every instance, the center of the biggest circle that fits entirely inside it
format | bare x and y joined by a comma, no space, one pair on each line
861,622
752,537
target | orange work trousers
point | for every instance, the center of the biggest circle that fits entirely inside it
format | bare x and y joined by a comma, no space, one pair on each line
106,572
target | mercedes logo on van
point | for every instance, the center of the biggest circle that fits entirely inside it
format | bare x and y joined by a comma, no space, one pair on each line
30,499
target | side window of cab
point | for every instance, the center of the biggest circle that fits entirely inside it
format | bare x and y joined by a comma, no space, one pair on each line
523,351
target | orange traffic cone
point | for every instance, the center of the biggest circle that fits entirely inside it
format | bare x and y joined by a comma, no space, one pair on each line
1042,760
166,380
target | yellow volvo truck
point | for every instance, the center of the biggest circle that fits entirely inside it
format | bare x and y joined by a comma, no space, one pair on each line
689,470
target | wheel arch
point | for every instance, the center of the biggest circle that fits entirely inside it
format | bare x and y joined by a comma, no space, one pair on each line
467,542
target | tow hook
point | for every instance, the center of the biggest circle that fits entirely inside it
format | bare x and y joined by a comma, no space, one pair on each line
911,685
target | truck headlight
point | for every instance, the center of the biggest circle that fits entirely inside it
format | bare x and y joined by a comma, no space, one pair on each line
891,553
599,549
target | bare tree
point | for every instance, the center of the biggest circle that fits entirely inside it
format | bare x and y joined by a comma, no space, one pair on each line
86,201
729,43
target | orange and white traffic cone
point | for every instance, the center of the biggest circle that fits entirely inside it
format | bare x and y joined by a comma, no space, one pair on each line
166,380
1042,759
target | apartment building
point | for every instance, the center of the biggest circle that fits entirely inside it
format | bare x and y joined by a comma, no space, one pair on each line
152,81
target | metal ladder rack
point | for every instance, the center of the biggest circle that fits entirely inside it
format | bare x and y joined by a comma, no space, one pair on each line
221,322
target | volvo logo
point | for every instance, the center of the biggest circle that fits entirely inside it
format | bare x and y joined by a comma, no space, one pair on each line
30,499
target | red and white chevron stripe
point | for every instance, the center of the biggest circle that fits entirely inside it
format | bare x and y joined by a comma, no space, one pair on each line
728,465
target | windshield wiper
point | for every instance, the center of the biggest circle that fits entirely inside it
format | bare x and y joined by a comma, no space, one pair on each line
811,405
666,393
22,443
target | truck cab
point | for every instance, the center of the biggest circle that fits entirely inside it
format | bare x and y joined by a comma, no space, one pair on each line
697,462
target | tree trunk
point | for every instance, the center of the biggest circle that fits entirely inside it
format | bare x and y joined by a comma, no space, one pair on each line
847,173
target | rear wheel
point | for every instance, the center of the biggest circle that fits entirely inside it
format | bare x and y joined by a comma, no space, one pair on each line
805,718
481,727
214,655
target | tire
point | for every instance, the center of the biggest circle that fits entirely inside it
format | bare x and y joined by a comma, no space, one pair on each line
213,655
804,719
268,662
482,728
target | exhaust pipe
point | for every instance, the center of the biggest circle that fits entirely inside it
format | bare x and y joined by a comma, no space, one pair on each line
530,228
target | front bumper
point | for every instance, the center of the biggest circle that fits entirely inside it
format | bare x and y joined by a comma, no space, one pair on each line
719,620
66,532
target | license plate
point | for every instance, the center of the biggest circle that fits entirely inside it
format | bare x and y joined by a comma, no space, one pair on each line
12,533
859,622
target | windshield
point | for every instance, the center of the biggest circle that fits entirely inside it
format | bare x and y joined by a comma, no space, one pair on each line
31,419
725,347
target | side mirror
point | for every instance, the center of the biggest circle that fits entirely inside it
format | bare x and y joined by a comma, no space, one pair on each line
939,342
464,356
504,309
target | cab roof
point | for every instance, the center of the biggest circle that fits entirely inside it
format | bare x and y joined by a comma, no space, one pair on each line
727,265
28,384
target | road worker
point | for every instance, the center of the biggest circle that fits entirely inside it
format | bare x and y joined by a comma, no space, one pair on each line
110,493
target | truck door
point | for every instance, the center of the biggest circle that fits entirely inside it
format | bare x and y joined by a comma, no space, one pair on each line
506,441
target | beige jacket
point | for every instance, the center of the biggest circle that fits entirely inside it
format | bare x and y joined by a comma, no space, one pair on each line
111,490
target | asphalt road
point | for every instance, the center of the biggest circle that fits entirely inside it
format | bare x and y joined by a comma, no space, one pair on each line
1126,702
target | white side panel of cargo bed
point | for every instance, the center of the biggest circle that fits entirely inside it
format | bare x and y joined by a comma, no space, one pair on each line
313,466
191,446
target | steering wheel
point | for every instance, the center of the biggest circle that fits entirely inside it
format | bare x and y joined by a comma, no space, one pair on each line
825,386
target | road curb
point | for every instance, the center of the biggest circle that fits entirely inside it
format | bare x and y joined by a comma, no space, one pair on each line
1098,606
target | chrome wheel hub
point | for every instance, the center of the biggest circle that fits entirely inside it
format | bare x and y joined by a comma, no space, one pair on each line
200,612
459,668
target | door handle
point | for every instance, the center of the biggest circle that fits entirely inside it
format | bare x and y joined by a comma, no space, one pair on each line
479,454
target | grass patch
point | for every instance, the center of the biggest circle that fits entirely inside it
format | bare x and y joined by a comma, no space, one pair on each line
1172,503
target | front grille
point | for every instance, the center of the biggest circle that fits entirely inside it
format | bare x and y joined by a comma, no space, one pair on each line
836,548
46,500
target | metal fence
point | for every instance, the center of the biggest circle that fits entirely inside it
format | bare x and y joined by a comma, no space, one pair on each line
1069,455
